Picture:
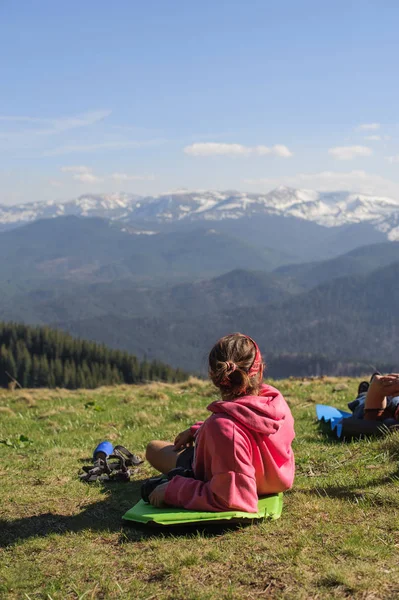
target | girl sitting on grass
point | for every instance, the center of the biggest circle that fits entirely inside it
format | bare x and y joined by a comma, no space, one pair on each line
242,451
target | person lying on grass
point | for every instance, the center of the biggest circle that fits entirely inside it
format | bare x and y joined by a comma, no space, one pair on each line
242,451
378,400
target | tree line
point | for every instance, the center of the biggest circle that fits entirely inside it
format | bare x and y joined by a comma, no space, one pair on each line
280,366
45,357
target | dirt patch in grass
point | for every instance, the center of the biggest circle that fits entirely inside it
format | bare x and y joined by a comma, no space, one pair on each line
7,411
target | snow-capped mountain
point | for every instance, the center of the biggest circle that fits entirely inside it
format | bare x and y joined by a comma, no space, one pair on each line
108,206
330,209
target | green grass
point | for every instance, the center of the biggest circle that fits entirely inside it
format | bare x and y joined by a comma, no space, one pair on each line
338,536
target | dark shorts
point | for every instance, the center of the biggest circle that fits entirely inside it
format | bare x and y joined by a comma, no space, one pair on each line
186,458
387,415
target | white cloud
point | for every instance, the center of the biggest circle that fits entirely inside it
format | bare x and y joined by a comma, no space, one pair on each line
393,159
221,149
215,149
349,152
82,173
261,150
369,126
87,178
125,177
283,151
76,169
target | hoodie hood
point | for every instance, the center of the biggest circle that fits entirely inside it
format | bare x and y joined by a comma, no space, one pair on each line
264,414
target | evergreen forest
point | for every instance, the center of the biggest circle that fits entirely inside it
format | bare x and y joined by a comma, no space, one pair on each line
32,357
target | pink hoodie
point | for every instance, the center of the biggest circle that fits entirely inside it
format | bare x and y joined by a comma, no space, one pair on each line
241,451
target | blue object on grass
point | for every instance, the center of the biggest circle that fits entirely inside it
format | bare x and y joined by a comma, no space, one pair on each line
332,415
347,426
104,448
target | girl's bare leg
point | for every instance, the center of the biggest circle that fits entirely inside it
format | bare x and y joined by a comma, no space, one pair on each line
161,455
376,397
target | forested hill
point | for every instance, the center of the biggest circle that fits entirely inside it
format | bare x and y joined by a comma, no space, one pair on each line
45,357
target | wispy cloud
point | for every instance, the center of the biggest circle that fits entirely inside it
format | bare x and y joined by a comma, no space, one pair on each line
220,149
111,145
75,169
53,126
330,181
350,152
377,138
369,126
85,174
393,159
21,119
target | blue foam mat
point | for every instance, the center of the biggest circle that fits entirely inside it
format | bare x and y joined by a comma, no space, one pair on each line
332,415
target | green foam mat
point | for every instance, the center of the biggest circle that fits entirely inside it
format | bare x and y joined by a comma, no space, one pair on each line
268,507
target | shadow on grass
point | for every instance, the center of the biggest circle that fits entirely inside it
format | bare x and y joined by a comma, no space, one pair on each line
358,493
105,516
330,437
353,430
322,434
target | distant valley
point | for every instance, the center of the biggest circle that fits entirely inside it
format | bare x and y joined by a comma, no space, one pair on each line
309,293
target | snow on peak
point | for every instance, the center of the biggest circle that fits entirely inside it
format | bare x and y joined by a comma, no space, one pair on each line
330,209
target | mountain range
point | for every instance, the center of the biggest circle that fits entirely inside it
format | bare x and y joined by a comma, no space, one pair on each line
329,209
312,276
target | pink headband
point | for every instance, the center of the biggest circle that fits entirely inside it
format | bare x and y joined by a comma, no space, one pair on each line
257,364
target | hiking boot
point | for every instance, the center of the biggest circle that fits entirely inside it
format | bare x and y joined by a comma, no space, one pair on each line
363,387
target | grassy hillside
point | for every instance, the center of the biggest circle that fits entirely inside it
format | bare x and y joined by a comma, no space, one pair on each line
59,538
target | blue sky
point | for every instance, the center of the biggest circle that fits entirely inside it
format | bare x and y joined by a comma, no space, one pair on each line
152,96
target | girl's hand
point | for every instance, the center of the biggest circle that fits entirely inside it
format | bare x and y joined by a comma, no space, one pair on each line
184,439
389,383
157,496
388,379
